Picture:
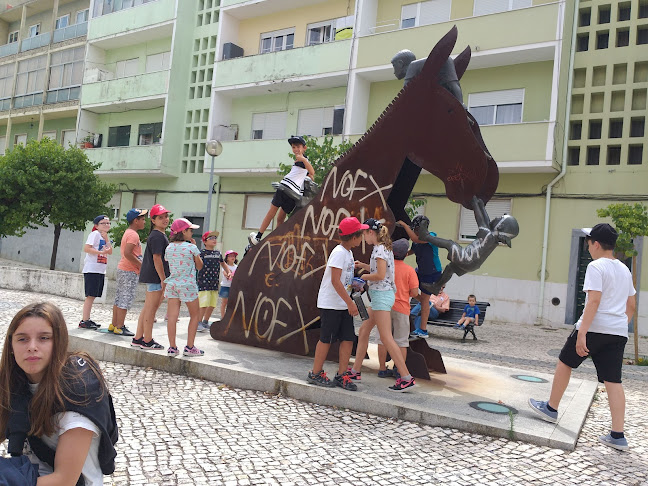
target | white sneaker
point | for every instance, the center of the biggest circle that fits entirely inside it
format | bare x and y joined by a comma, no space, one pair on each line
252,238
202,327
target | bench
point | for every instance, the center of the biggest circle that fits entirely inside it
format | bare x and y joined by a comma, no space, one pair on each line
450,318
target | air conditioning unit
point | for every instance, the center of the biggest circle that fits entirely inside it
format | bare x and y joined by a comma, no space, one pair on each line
231,50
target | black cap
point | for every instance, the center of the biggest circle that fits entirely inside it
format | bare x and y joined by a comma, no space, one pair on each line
400,248
296,139
373,224
101,217
603,233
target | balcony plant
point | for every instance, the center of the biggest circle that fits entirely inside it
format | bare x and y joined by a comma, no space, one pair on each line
88,141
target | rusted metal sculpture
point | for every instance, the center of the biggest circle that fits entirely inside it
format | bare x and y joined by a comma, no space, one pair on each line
272,302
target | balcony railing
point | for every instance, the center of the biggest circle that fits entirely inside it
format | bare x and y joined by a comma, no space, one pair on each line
35,42
70,32
63,94
9,49
139,159
33,99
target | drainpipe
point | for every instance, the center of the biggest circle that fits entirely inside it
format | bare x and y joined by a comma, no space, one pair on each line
563,170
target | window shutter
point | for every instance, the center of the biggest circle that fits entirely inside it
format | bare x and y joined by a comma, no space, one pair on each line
256,208
483,7
258,121
435,11
521,4
467,224
409,11
275,125
309,122
506,97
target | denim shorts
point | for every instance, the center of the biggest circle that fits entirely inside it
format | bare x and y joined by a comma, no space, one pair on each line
223,292
382,300
153,287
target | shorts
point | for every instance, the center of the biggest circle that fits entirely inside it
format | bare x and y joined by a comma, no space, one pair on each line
223,292
400,329
382,300
126,288
428,279
606,351
153,287
283,201
337,325
185,291
94,284
208,298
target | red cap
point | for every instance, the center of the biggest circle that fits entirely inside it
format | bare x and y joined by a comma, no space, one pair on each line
157,210
350,225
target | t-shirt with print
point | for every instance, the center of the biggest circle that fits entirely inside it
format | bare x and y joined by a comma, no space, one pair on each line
181,262
379,251
613,279
471,311
130,236
227,282
327,297
95,263
208,275
406,280
156,244
65,421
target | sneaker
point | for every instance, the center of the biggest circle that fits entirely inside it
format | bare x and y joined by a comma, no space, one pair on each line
172,351
456,326
413,333
151,345
120,331
137,343
540,408
252,238
421,333
462,327
386,373
192,352
402,385
618,444
94,323
320,379
87,325
202,327
354,375
345,382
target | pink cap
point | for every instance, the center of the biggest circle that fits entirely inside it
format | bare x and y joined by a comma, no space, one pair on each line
350,225
230,252
181,224
158,209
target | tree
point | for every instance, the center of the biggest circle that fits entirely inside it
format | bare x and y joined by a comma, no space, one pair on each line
631,221
43,183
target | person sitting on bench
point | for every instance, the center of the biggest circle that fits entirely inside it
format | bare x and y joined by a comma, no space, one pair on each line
439,304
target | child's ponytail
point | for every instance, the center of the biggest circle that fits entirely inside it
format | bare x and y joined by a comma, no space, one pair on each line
384,238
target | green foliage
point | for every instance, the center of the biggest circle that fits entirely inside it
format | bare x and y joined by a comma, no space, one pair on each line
630,220
117,232
412,205
43,181
321,156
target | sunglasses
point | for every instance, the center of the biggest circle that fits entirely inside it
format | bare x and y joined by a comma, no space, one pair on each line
212,238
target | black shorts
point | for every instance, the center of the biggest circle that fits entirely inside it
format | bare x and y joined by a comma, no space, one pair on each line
281,200
337,325
606,351
94,284
427,279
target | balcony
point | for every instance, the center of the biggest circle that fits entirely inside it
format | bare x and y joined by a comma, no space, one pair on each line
324,65
70,32
520,147
9,49
507,35
137,92
35,42
131,19
123,161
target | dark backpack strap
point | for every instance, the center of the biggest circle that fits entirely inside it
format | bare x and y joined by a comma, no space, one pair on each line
46,454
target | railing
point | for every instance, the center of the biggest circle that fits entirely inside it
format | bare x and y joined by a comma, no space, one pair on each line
35,42
63,94
385,26
70,32
33,99
106,7
5,104
9,49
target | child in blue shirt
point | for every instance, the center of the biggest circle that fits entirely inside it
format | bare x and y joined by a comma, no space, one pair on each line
470,314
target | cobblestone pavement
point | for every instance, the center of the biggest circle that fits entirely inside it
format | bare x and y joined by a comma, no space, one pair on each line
185,431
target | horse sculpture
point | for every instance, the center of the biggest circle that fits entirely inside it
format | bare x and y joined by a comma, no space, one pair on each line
272,301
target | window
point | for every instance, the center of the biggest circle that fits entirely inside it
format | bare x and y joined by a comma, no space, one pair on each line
483,7
624,11
269,126
467,224
129,67
144,200
6,82
616,128
82,16
66,68
63,21
327,31
573,156
584,17
31,75
425,13
149,133
34,30
278,40
635,154
614,155
576,129
158,62
642,35
255,210
51,135
497,107
320,121
68,138
604,14
13,37
593,155
3,145
595,127
637,127
115,203
119,137
582,42
103,7
20,139
602,40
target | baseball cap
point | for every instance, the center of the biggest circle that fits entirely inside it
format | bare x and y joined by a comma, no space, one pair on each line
230,252
400,248
206,234
603,233
182,224
135,213
157,210
296,139
373,224
350,225
101,217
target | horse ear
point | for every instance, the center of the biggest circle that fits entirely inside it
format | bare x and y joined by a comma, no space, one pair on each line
439,54
461,62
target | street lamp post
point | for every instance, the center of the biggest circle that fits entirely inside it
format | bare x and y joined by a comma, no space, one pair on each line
214,148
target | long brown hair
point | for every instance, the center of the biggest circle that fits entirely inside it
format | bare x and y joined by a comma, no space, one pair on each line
48,399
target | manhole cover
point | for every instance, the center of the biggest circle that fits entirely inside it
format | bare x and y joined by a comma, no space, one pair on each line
492,407
530,379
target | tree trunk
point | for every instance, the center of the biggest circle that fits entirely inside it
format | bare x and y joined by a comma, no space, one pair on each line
57,234
635,318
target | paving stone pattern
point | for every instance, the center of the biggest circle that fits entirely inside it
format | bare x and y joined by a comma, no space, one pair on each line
184,431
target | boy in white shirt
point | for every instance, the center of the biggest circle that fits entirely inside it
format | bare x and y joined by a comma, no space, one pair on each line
601,332
337,308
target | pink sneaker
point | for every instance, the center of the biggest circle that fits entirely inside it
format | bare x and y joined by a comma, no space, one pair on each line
192,352
354,375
